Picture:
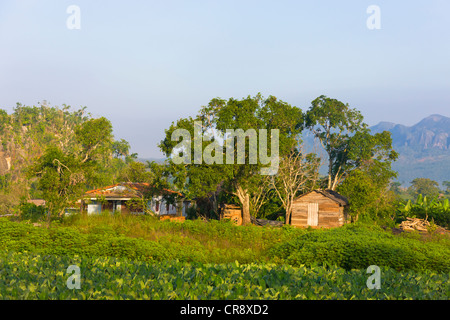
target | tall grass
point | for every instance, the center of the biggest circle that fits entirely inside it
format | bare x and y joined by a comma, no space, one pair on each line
212,234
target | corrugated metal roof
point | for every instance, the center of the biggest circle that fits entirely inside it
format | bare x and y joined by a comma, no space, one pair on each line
37,202
128,190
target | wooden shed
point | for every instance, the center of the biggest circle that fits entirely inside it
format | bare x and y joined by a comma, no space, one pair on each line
319,208
232,212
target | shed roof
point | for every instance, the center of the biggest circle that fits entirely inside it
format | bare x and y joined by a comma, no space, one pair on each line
333,195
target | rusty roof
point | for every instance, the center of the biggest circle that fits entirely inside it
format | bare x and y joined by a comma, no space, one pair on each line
130,190
37,202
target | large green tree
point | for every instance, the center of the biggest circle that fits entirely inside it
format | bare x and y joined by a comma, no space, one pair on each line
61,178
346,139
95,138
231,155
136,172
425,187
333,123
367,188
121,148
64,174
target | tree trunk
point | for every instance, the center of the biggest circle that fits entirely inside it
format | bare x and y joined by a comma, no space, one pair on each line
333,186
288,213
330,165
244,198
246,220
335,180
215,205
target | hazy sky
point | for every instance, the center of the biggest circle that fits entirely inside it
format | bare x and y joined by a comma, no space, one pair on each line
143,64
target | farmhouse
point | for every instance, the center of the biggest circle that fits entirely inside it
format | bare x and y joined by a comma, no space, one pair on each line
319,208
126,198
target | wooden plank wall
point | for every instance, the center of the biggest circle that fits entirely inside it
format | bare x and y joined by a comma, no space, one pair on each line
331,214
233,213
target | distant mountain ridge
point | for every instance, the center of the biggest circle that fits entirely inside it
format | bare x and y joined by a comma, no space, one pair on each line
424,148
431,132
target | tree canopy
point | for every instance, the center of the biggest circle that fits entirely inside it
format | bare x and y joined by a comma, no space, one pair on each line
230,163
425,187
346,139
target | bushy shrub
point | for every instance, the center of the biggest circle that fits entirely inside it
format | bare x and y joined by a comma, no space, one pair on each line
106,241
30,211
356,247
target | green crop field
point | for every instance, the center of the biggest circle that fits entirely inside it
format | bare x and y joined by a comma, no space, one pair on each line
140,258
31,276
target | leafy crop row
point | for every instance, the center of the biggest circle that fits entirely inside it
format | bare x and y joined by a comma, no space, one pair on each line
32,276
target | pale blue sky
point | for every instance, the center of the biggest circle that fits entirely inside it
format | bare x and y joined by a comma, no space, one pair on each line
143,64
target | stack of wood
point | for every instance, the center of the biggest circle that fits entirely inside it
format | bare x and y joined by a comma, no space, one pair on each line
414,224
232,212
419,224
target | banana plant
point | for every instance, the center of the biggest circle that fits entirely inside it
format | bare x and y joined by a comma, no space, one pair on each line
423,207
445,205
404,209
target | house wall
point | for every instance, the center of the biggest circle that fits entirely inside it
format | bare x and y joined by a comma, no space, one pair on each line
232,212
112,205
94,208
157,205
160,207
185,206
331,213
